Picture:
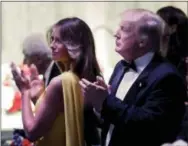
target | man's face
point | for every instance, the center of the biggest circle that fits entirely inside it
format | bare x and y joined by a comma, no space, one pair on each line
126,37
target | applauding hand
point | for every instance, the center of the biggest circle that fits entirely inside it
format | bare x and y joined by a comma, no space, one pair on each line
20,79
33,84
36,84
94,93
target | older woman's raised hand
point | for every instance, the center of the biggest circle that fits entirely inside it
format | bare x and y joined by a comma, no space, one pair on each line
36,84
31,83
20,78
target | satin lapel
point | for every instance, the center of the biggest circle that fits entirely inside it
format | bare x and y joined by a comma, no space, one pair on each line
115,81
142,80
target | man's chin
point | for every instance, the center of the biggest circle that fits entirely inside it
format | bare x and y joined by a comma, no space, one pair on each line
117,49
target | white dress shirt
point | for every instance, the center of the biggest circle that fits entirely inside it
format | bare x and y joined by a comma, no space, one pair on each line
127,81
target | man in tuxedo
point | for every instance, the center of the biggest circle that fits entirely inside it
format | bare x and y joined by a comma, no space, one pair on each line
144,101
37,52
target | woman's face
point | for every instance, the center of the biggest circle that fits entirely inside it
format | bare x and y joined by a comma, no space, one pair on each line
59,52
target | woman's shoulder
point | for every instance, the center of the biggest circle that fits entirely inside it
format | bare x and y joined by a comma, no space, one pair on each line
65,78
56,81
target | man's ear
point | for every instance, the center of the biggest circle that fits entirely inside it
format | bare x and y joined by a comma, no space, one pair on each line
143,40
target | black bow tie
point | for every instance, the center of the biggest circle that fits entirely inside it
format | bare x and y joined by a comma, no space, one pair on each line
129,65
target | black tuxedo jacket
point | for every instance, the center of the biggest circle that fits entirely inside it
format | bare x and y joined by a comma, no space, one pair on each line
53,72
152,110
184,127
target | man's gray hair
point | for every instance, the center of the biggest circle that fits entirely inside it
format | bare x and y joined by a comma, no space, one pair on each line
149,24
35,44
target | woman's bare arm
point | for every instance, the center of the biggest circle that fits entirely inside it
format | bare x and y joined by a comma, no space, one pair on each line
38,125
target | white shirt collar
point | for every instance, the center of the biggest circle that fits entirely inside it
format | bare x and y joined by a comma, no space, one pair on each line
143,61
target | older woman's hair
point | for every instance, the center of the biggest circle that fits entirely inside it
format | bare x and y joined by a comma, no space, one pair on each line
77,36
35,45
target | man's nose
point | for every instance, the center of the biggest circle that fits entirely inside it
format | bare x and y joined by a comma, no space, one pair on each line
117,35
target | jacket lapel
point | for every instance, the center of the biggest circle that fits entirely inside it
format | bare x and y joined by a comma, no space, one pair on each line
116,77
53,72
142,80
